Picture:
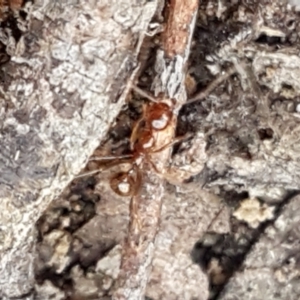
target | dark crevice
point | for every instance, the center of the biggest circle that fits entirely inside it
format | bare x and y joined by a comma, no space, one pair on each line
229,251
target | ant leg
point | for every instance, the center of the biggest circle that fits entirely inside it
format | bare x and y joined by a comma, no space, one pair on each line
110,157
88,173
176,140
217,81
114,162
165,171
144,94
215,218
135,130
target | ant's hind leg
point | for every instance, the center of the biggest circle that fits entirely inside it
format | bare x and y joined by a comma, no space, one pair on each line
175,141
107,162
105,158
88,173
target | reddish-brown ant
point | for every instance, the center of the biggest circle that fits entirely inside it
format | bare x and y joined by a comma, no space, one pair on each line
156,117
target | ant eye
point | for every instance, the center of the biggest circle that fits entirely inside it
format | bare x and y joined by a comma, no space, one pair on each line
122,184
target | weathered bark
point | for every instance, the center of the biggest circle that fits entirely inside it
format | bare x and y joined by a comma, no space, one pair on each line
247,126
61,90
271,269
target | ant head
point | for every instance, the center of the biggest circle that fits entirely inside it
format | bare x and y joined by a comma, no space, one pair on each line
159,116
122,184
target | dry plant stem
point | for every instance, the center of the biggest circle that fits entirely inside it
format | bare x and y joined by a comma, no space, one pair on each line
145,209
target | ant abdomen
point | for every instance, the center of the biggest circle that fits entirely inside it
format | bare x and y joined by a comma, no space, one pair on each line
126,183
122,183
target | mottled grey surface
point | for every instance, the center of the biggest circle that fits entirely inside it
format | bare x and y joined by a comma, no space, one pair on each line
272,268
249,128
61,91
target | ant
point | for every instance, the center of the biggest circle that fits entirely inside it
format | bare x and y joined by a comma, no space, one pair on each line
156,117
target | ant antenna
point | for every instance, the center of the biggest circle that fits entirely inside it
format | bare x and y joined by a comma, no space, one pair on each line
217,81
144,94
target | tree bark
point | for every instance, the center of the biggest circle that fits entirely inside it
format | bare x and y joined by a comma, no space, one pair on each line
65,83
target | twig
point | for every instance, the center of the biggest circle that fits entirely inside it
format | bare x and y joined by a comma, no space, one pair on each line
145,208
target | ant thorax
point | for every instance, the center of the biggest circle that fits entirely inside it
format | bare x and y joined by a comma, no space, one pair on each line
143,141
156,117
